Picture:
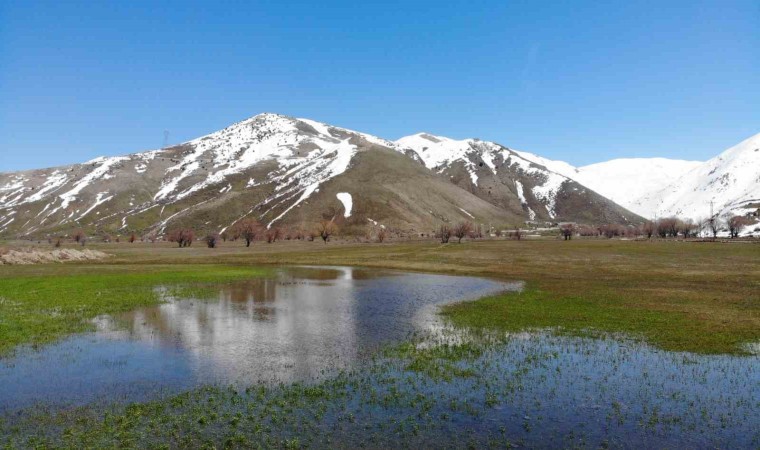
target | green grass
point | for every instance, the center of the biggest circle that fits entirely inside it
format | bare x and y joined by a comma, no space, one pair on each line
596,312
685,296
37,309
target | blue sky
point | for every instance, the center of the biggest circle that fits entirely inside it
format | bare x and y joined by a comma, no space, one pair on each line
581,81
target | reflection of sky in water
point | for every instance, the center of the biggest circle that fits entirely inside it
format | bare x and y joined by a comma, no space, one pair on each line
300,325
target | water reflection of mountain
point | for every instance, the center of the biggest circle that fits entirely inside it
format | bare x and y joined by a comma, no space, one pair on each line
301,323
285,328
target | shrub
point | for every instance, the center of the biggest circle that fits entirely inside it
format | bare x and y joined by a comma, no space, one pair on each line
273,234
212,239
182,236
78,235
567,230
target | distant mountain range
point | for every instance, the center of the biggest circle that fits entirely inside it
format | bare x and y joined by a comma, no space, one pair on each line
293,172
729,184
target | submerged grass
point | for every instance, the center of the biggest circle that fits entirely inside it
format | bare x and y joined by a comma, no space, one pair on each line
40,307
539,391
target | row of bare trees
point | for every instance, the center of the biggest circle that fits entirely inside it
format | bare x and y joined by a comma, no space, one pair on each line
460,231
250,230
666,227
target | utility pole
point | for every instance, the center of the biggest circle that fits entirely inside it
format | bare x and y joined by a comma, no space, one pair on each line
712,220
166,139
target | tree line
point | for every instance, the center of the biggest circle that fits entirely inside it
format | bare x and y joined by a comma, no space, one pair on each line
666,227
249,230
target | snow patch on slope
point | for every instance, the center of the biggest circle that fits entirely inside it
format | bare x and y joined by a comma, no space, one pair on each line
523,201
348,202
100,199
308,173
96,173
438,152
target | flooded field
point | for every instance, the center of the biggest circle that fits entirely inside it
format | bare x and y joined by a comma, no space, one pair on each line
299,325
343,357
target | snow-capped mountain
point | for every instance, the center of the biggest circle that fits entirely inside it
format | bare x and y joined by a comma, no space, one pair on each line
292,172
627,180
504,176
659,187
730,182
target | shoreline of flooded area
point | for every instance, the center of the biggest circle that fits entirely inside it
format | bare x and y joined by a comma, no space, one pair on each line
302,324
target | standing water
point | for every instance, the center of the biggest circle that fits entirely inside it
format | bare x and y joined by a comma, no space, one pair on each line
301,324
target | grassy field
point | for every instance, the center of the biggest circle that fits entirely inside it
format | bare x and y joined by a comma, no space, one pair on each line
55,300
698,297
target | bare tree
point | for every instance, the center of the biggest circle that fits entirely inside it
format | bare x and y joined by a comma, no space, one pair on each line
325,229
648,228
444,233
273,234
712,225
611,230
78,235
381,233
462,229
212,239
735,225
688,228
248,229
132,238
182,236
567,230
674,225
667,227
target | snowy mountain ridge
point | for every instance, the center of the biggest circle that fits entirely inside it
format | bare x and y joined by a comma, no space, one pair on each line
650,187
289,171
279,170
438,154
728,184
